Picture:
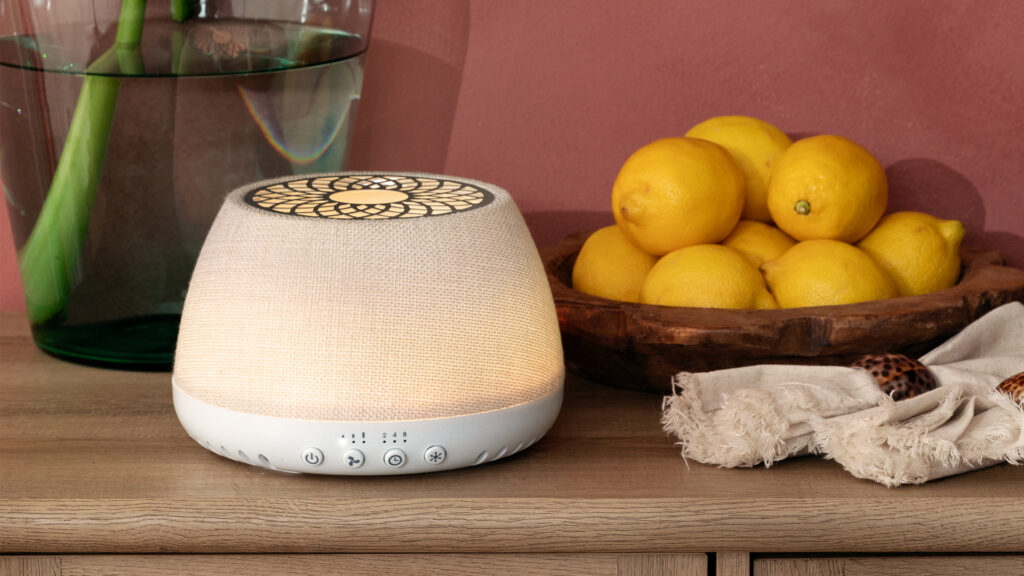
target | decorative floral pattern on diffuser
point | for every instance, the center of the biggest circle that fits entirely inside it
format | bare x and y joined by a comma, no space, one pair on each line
369,197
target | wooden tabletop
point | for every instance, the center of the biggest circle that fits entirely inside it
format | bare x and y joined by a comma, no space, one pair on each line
94,460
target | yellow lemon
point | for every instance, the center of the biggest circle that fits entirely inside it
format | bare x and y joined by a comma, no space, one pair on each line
919,251
755,145
677,192
826,273
758,241
827,187
610,266
706,276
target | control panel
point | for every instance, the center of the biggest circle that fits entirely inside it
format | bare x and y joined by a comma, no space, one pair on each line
367,448
391,448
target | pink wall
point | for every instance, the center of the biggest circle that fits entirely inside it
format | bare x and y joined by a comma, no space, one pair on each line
547,99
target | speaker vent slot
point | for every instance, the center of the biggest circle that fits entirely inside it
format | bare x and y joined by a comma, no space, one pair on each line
264,461
480,458
500,453
517,448
244,457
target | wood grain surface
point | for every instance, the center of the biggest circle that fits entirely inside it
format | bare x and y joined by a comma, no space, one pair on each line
94,461
891,566
359,564
641,346
732,564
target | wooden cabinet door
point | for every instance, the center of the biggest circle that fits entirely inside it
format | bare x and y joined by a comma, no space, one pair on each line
359,564
891,566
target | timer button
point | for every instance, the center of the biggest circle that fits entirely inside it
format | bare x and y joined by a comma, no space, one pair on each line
313,456
394,458
435,454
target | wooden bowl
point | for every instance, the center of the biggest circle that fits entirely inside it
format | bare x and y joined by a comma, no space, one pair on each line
641,346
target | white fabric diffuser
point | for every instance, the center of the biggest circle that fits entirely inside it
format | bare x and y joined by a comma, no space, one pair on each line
368,323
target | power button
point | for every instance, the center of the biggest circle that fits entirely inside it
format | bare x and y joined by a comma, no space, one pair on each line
313,456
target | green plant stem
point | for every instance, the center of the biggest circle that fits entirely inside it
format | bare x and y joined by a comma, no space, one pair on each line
50,256
181,10
129,35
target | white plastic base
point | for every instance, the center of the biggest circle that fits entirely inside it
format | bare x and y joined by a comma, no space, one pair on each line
330,447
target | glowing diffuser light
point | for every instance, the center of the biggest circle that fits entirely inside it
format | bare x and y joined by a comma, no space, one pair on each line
368,323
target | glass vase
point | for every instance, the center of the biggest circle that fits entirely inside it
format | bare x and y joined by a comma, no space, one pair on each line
123,124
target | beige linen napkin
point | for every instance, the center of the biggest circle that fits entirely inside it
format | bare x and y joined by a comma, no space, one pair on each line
762,414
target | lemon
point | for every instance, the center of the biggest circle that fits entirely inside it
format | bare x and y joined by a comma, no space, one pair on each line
677,192
825,273
755,145
758,241
610,266
706,276
827,187
920,251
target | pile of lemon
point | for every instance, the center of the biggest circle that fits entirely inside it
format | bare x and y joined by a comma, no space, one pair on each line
737,215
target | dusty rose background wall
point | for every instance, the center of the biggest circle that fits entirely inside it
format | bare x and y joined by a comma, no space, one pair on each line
548,98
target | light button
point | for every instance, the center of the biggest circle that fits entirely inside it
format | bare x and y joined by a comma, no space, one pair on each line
394,458
313,456
435,454
353,458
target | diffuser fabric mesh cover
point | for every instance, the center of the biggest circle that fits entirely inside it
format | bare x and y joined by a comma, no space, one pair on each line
369,297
